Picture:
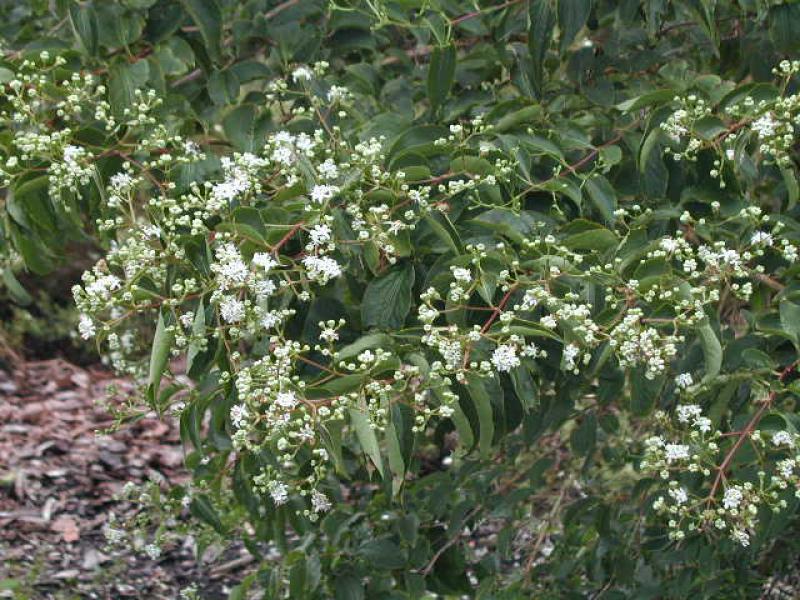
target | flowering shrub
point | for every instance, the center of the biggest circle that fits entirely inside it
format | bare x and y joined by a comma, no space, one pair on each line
481,328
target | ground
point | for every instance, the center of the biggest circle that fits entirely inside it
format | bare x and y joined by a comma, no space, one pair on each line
58,479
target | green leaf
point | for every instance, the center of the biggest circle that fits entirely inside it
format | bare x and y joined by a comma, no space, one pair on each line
512,121
655,176
572,16
644,392
540,33
397,465
223,87
366,437
387,299
331,434
790,320
202,508
792,187
444,230
712,350
190,425
367,342
83,19
594,239
584,436
208,17
30,205
348,587
245,128
704,16
603,196
198,330
383,553
159,355
441,72
15,289
35,255
124,79
483,406
645,100
399,443
784,26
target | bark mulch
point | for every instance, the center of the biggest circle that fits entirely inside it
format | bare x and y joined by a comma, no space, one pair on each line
58,480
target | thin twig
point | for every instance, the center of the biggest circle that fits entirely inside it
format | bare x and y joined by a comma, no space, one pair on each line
477,13
287,237
745,433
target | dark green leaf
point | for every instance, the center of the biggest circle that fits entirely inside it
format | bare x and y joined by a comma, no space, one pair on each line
441,72
83,19
387,299
208,17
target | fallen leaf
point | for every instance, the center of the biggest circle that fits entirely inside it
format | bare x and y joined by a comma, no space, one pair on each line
68,529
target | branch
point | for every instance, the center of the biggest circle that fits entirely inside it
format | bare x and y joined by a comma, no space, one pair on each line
495,313
287,237
745,433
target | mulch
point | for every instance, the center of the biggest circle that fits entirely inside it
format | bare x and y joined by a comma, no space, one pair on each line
59,475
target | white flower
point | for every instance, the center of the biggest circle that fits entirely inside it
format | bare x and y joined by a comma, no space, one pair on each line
504,358
73,153
270,320
761,238
786,467
278,491
239,415
103,286
548,321
673,452
783,438
337,92
684,380
669,245
328,169
230,269
121,181
732,498
86,327
287,400
302,73
462,275
235,183
264,260
321,192
329,335
321,268
703,424
571,352
688,412
231,309
679,495
741,536
264,289
320,234
320,502
764,126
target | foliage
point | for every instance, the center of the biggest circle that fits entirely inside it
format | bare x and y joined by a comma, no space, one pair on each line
496,300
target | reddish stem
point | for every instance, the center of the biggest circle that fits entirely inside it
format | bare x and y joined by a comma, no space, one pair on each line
745,433
495,313
287,237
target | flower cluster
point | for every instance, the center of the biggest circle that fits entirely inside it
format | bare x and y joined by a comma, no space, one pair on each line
230,261
700,494
768,123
